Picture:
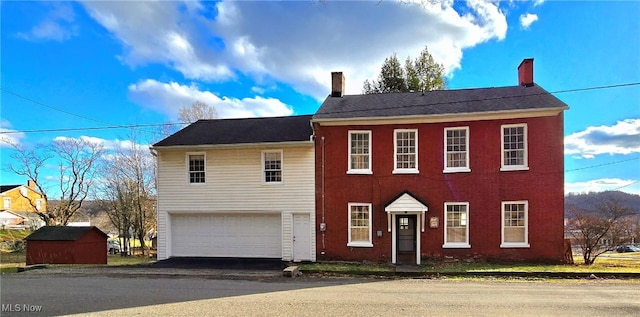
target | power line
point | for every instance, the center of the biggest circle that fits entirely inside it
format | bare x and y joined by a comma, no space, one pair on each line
623,186
53,108
111,125
116,126
595,88
132,126
603,164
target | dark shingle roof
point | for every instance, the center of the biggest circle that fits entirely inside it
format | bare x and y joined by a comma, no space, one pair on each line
438,102
6,188
239,131
60,233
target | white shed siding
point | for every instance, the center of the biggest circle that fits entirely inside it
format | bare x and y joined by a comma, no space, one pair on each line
234,184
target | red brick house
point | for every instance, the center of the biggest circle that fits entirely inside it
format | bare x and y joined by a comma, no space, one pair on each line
469,173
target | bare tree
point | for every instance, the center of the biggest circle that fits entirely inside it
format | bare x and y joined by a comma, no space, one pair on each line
592,229
127,191
75,161
198,110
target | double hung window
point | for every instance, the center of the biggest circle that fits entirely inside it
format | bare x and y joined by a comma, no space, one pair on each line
456,150
514,224
359,152
272,166
514,147
456,219
406,151
196,164
360,225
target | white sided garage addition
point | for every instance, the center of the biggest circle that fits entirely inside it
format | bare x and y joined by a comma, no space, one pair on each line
283,236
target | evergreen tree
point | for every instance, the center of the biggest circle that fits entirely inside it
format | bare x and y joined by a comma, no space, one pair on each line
420,74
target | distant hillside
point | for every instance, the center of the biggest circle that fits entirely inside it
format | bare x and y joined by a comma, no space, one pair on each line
589,200
93,213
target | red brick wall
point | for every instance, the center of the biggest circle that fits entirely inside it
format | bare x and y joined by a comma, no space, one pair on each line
485,187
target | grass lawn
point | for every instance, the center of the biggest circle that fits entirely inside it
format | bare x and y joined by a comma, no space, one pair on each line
117,260
10,261
613,262
10,235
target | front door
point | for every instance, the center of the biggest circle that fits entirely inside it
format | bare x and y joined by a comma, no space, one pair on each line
406,231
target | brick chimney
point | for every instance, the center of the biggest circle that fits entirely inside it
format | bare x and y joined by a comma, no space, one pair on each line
31,184
525,73
337,84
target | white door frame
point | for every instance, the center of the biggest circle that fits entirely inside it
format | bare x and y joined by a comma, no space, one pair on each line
419,227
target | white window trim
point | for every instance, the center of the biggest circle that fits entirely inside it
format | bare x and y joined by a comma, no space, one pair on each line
524,244
456,245
361,170
189,171
264,182
447,169
360,244
397,170
6,203
525,166
38,204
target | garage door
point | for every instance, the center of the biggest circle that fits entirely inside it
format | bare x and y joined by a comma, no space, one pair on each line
249,235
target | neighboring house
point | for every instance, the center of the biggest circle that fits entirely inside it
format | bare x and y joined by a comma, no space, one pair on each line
67,245
462,174
237,188
10,219
24,201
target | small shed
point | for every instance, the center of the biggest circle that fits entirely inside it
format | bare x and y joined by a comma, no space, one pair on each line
67,245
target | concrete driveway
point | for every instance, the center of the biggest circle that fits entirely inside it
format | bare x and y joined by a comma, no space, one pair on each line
199,263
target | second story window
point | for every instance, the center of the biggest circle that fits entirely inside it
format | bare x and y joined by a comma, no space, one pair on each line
456,149
406,151
272,166
359,152
514,147
196,168
7,203
38,204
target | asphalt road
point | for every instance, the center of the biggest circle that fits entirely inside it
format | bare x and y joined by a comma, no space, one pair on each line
49,295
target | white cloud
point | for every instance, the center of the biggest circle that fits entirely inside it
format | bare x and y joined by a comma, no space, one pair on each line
9,136
57,25
537,2
527,19
107,144
620,138
603,184
168,98
298,43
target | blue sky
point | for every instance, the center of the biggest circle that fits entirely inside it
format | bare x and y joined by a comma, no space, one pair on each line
69,65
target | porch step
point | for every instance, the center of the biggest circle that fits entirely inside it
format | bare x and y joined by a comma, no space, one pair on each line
291,271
